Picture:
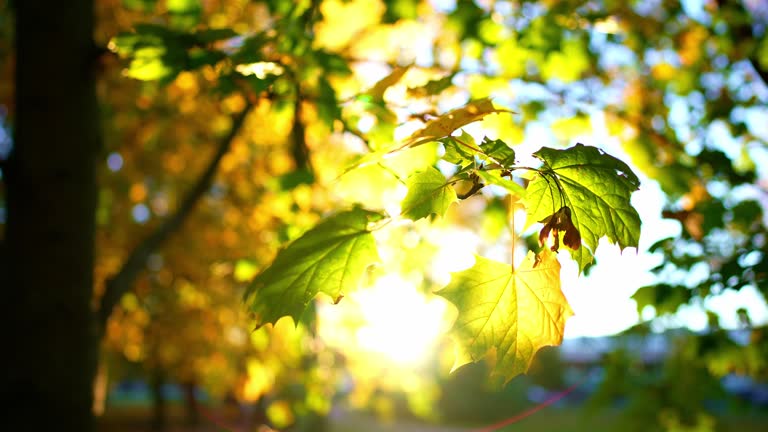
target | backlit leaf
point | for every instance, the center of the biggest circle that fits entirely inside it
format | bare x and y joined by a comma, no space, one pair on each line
499,151
330,258
377,91
494,177
436,129
460,150
433,87
184,13
596,187
511,312
447,123
428,193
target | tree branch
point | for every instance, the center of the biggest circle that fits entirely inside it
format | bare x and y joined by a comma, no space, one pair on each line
299,149
753,60
743,31
121,283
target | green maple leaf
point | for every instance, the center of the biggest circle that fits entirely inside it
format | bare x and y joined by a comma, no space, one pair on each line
511,312
330,258
499,151
461,149
495,178
428,193
596,187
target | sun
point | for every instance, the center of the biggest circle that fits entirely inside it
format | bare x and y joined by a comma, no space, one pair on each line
391,320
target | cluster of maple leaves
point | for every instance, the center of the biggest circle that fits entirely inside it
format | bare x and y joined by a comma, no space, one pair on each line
580,194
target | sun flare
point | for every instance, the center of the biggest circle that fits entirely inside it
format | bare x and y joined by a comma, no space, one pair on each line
391,319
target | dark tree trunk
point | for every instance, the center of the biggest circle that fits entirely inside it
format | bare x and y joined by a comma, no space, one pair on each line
191,408
47,274
159,412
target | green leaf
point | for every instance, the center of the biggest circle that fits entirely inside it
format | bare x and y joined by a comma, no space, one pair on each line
332,63
328,109
428,193
200,57
433,87
596,187
460,150
377,91
140,5
185,14
213,35
494,177
400,9
499,151
291,180
664,298
330,258
511,312
251,49
159,53
245,270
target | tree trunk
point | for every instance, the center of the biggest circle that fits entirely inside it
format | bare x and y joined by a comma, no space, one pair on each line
49,240
159,412
191,408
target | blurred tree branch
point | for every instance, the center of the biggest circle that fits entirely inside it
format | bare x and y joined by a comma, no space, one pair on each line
299,150
742,30
121,282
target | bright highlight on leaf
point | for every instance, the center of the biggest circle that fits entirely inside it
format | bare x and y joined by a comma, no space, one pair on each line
377,91
437,129
449,122
512,312
428,193
330,258
495,178
596,187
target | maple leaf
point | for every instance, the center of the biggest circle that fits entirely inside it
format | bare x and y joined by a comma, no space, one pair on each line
499,151
596,187
428,193
511,312
447,123
330,258
377,91
460,149
494,177
435,130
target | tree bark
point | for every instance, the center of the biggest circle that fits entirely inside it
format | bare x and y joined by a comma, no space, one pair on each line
159,412
191,407
49,239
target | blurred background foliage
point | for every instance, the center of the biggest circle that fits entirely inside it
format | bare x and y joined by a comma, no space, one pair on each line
677,89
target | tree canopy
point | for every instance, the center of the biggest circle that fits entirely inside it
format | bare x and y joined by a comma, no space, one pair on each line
266,159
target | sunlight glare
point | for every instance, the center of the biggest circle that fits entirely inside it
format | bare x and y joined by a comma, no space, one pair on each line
260,69
401,323
392,320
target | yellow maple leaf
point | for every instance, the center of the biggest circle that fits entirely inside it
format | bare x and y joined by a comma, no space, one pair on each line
511,313
449,122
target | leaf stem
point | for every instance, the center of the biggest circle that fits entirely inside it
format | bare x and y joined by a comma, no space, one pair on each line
513,239
391,171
